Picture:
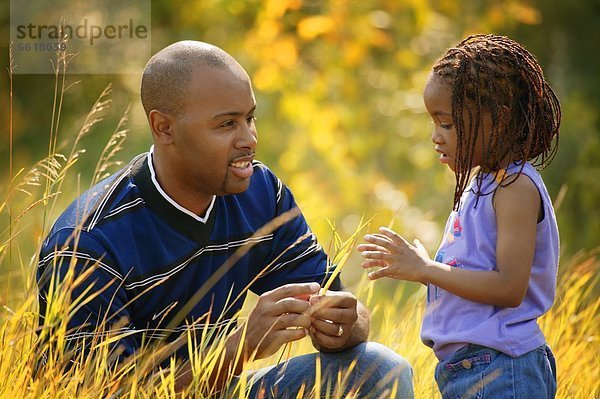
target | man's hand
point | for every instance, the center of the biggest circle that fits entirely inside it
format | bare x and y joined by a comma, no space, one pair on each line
280,316
333,321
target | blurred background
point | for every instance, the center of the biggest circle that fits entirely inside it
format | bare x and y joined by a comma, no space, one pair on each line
340,112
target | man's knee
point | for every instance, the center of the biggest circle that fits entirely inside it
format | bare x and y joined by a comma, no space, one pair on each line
370,368
374,354
381,368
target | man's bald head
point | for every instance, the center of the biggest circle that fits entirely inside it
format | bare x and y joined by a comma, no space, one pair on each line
168,73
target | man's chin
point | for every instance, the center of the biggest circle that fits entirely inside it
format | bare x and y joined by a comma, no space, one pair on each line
240,187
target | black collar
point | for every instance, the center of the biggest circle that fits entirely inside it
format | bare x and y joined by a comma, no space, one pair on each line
178,220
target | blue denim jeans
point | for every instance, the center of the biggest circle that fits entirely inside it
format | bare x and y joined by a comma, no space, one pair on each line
369,370
476,372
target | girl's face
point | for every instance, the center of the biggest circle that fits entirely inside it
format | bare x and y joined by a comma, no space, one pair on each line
438,101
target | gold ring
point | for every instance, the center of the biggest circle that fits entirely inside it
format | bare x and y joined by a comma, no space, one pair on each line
340,330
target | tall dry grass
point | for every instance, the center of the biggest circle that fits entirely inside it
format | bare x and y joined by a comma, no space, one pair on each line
570,327
29,198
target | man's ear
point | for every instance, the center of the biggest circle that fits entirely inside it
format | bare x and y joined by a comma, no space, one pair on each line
162,125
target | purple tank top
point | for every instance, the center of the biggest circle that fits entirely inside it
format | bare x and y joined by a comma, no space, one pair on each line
469,242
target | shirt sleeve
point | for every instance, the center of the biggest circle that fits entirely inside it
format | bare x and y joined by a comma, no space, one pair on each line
76,276
296,255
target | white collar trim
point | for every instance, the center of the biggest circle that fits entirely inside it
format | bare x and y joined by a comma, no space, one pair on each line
171,200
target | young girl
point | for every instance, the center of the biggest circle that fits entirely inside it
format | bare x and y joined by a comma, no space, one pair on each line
494,273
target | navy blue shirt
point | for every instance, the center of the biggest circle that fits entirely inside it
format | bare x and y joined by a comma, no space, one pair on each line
161,268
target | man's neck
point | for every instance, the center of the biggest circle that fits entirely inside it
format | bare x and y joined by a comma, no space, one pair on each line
198,208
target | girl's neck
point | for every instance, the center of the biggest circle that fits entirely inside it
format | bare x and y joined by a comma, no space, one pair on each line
504,164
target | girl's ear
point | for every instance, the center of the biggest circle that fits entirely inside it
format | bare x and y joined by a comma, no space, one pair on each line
506,111
162,126
505,117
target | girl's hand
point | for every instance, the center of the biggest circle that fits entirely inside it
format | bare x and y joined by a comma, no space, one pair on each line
395,257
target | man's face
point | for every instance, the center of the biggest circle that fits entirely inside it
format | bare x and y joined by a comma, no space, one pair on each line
214,136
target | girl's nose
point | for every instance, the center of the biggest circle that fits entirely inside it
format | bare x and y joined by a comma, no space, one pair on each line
436,138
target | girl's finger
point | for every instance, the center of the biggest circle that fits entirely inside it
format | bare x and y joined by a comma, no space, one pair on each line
383,237
374,263
396,238
371,247
378,273
379,240
374,254
418,244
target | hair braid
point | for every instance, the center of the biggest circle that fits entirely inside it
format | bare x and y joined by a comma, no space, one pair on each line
494,76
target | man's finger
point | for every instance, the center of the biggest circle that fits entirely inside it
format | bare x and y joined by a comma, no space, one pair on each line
291,305
338,308
292,290
304,297
327,328
292,320
336,315
328,341
290,335
334,300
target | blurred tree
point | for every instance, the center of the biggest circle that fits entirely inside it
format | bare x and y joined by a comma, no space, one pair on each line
567,41
340,111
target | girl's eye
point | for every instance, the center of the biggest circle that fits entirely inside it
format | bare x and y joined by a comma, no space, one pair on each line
446,125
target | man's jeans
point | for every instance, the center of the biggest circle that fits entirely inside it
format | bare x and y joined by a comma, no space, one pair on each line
369,370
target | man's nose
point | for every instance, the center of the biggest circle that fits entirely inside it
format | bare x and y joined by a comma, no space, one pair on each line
248,137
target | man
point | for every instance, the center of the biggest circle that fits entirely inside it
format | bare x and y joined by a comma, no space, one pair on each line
174,241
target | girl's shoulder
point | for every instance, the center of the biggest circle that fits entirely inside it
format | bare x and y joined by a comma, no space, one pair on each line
517,185
522,175
516,172
517,191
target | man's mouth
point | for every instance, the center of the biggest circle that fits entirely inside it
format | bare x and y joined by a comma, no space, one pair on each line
241,164
242,167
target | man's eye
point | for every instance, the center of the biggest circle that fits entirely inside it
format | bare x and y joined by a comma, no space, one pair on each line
227,124
251,119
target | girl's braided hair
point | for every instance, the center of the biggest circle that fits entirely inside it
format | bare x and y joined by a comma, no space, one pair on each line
496,77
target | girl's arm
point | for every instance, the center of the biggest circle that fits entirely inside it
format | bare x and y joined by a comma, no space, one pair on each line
517,206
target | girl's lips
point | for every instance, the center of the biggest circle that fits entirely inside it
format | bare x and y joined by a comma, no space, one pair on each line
444,158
